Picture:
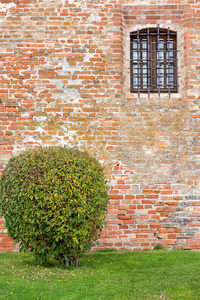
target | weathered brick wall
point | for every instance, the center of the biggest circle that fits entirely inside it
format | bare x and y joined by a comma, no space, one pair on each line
65,81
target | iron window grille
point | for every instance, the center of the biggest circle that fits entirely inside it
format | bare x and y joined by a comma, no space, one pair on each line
153,57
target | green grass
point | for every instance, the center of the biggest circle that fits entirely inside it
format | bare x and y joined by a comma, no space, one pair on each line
114,275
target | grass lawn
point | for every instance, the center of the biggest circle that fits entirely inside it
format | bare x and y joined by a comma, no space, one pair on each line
118,276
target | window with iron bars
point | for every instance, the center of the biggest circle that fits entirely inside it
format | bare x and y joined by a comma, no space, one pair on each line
153,57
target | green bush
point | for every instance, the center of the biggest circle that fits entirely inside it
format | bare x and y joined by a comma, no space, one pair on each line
158,247
54,202
106,250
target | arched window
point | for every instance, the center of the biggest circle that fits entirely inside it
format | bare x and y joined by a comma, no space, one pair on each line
153,56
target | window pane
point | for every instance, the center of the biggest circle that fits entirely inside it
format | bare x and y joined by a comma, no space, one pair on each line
136,76
144,49
170,47
160,75
160,49
170,76
136,53
160,63
144,76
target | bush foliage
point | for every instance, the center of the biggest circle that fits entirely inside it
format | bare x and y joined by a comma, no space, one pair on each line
54,202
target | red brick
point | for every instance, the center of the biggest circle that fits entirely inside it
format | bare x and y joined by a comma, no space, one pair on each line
76,92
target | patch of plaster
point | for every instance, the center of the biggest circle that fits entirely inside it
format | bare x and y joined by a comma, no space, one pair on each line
6,6
40,119
78,1
71,94
94,17
194,190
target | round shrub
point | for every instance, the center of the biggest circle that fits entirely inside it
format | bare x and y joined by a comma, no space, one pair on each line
54,202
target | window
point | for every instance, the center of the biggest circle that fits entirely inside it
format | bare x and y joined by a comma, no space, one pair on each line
153,56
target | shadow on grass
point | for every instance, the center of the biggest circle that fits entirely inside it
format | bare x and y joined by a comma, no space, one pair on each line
88,260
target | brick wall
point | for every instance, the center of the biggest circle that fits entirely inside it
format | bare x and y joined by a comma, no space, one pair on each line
65,81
